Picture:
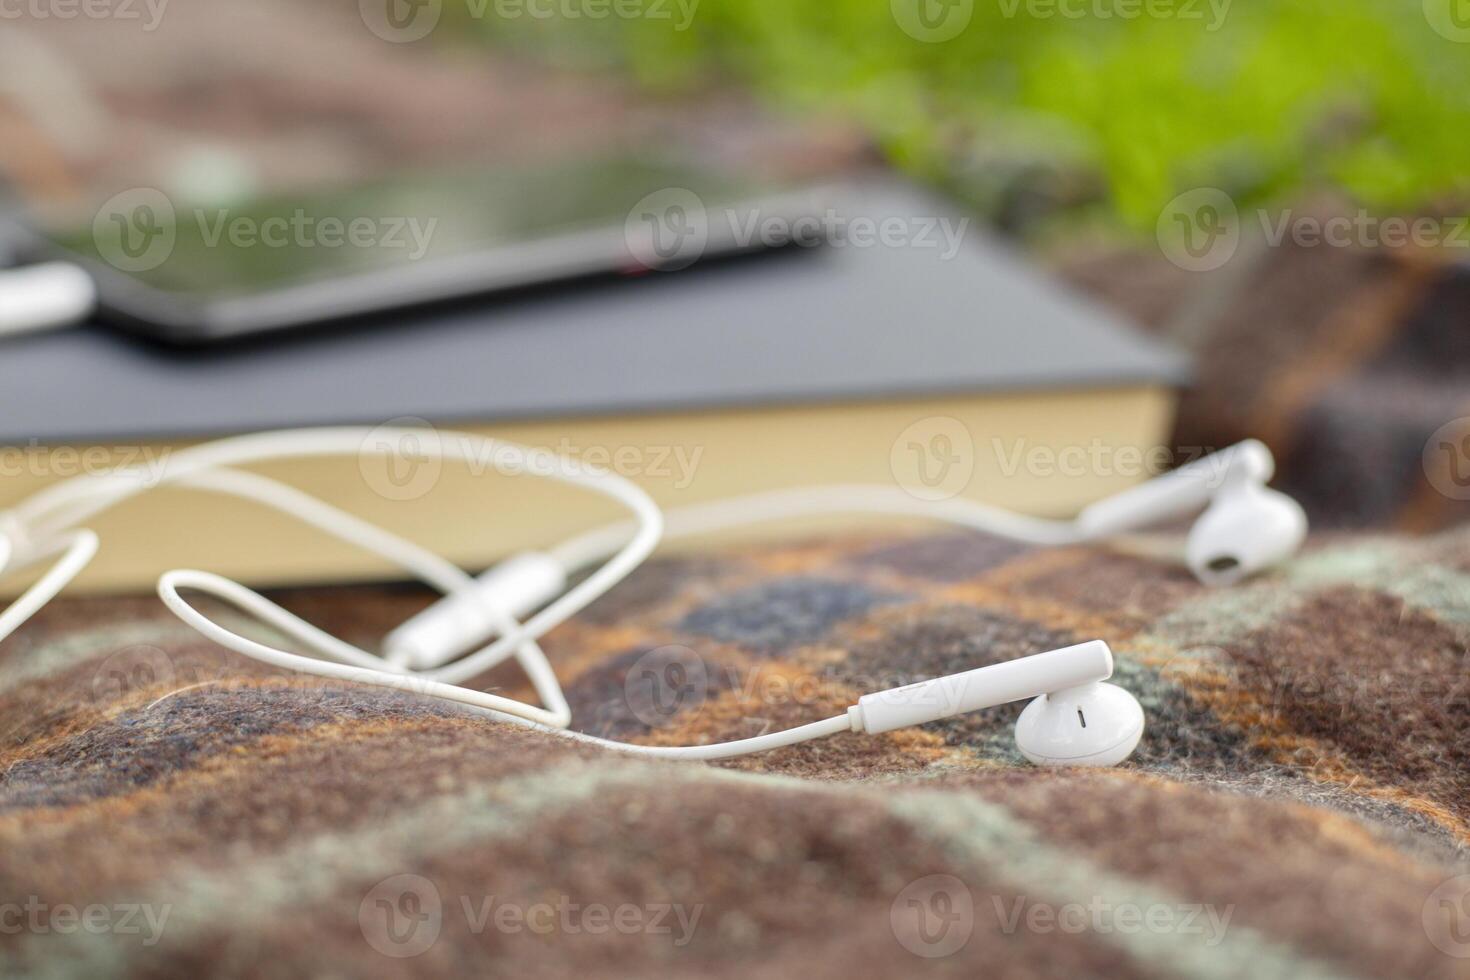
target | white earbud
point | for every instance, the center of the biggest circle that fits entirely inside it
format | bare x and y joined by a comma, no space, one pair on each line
1090,725
1246,528
1075,719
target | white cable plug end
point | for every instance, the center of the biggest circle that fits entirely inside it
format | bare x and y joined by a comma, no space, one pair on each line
46,296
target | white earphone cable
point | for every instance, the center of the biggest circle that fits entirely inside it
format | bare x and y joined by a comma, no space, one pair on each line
503,709
77,549
428,567
207,468
720,515
50,512
47,523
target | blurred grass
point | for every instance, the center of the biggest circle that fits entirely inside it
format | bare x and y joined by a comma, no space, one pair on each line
1026,116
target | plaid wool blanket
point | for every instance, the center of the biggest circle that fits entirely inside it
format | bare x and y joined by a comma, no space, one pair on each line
1299,805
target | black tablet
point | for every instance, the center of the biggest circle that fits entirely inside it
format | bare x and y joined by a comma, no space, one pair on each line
192,272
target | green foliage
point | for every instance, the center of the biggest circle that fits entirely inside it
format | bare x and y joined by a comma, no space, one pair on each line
1117,113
